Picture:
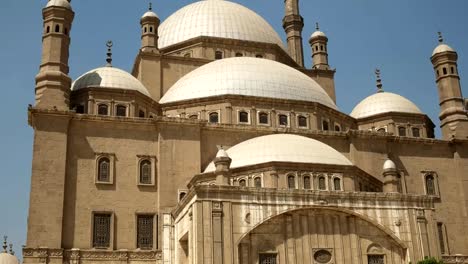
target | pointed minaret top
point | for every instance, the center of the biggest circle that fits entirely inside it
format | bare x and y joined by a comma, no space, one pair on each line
379,81
150,6
5,244
317,26
441,38
109,45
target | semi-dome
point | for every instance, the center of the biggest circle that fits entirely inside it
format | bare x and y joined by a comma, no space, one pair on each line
109,77
216,18
250,77
442,48
6,258
384,102
282,148
60,3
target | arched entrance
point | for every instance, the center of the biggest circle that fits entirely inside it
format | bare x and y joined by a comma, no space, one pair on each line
320,235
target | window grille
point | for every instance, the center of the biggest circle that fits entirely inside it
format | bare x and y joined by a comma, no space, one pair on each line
214,118
375,259
243,117
402,131
267,258
307,182
263,118
103,109
322,185
302,120
145,172
104,170
416,132
121,110
102,230
430,187
145,231
283,120
291,182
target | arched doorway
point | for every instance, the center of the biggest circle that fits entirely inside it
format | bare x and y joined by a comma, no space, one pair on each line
320,235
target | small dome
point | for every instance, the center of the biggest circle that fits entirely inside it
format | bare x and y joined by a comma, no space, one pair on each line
215,18
317,34
109,77
150,14
384,102
222,154
389,165
250,77
282,148
60,3
442,48
6,258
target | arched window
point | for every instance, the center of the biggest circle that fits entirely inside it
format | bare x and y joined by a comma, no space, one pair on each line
214,117
193,116
325,125
243,117
141,114
218,55
103,109
121,110
65,31
104,169
291,182
145,29
258,182
238,54
263,118
302,121
452,70
283,120
321,47
307,184
259,56
337,128
382,130
242,183
187,55
48,29
337,184
438,73
57,28
182,195
321,183
145,172
151,29
430,185
416,132
402,131
444,70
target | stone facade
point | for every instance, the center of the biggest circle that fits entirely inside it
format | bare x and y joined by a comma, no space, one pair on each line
400,198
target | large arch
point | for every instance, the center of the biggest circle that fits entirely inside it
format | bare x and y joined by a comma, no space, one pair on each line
302,235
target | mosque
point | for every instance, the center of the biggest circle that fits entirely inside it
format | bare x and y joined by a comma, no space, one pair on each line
222,147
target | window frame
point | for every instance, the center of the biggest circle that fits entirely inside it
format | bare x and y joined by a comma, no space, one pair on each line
402,127
112,230
121,105
155,230
304,176
293,176
98,104
324,180
268,254
334,178
259,112
181,191
218,113
288,119
306,116
239,111
244,179
219,52
255,178
189,116
413,129
153,161
323,122
335,125
435,177
111,158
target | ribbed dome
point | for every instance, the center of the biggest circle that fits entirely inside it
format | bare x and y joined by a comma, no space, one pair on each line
282,148
216,18
250,77
60,3
384,102
109,77
6,258
442,48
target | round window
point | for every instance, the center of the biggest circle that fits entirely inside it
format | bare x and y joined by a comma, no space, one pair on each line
322,256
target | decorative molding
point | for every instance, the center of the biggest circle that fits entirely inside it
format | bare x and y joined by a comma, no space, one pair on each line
455,259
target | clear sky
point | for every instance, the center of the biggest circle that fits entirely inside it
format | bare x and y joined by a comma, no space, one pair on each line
397,36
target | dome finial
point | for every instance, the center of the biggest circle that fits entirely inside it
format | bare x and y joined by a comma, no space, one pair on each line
441,38
109,45
150,6
379,81
5,244
11,249
317,27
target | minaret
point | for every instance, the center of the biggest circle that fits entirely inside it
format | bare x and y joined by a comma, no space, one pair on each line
149,31
318,43
52,81
453,115
293,24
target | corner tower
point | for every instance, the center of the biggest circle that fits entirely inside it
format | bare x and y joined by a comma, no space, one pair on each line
453,115
52,81
293,23
149,30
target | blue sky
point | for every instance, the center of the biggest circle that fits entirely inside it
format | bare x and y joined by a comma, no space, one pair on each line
397,36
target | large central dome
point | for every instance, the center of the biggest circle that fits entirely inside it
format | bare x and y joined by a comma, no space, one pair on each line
216,18
250,77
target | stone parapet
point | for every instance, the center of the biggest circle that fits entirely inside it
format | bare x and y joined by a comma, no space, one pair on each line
455,259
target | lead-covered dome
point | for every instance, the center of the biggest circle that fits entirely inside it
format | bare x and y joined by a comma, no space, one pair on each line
442,48
6,258
109,77
216,18
384,102
250,77
282,148
59,3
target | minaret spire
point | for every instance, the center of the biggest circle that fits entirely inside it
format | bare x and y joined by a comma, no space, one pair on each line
441,38
5,244
293,23
379,81
109,45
